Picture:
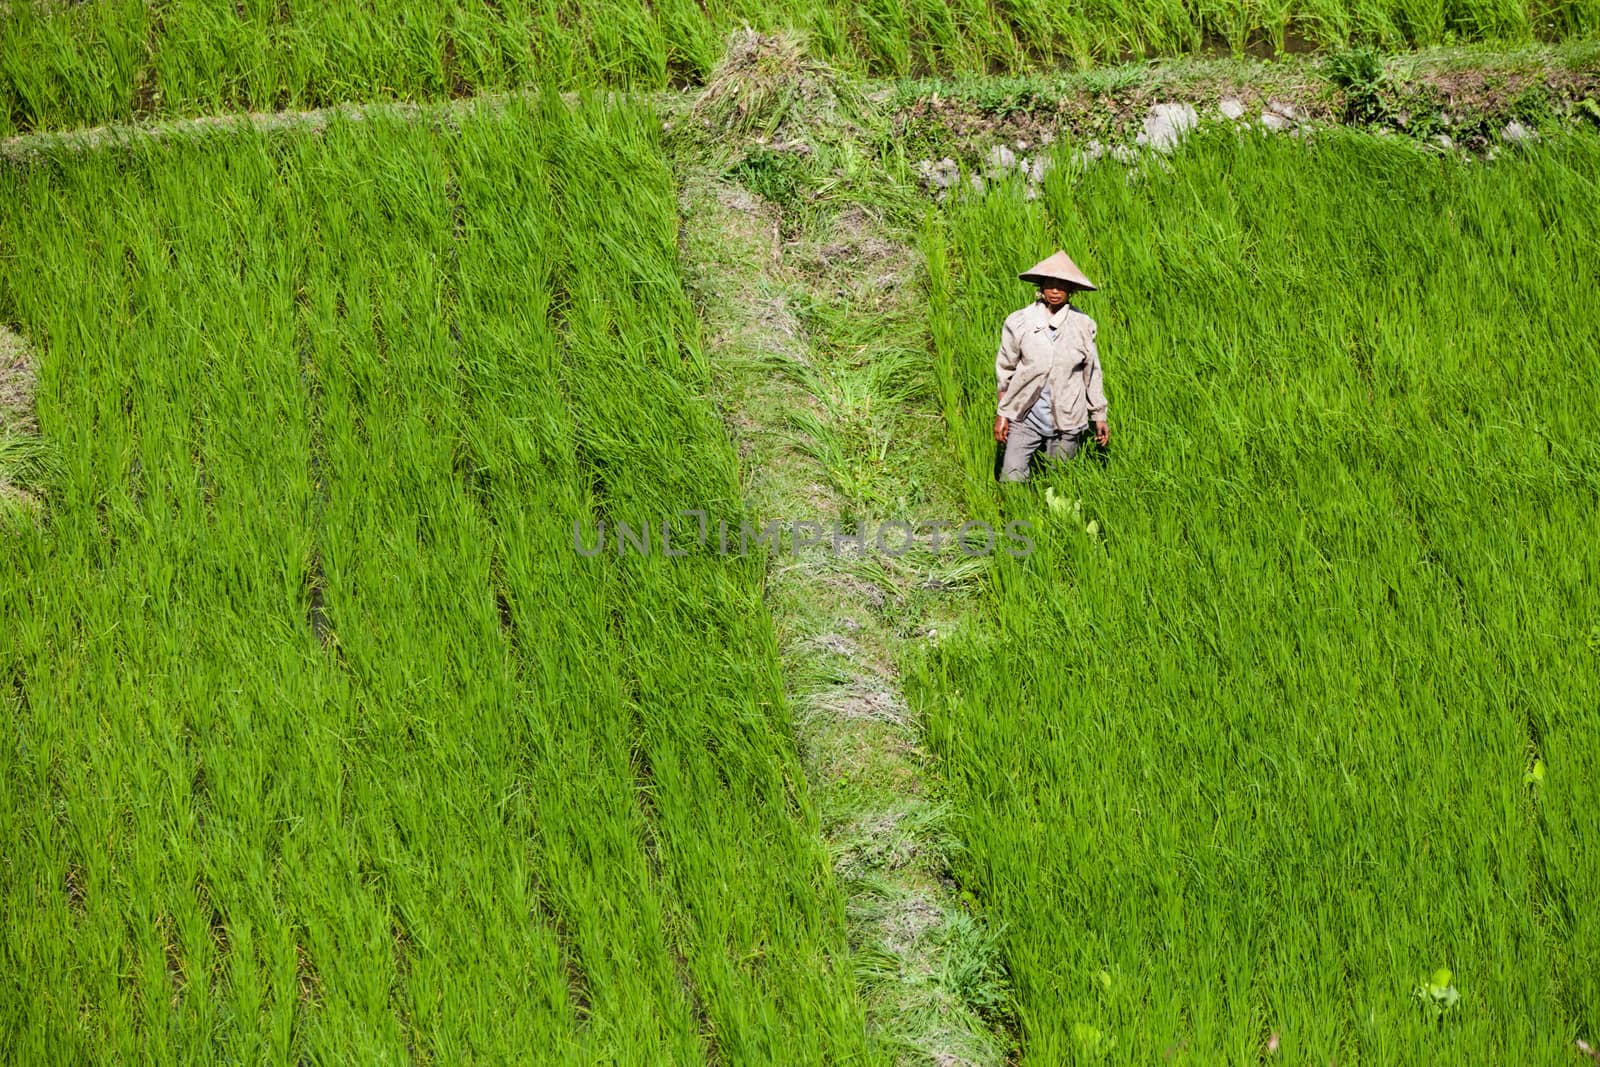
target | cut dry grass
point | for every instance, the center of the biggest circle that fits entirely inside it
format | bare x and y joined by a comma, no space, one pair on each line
770,86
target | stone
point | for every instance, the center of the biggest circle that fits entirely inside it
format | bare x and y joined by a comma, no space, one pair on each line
1087,154
941,175
1281,115
1232,109
1517,133
1001,159
1443,141
1166,124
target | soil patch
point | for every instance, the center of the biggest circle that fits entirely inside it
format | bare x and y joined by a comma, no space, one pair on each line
22,455
16,384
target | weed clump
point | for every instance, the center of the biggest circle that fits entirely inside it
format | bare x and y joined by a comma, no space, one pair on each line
779,177
1359,73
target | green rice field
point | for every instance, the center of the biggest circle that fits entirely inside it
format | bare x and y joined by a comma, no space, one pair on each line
1311,713
320,742
67,65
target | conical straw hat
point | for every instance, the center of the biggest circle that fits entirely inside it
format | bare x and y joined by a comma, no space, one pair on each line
1058,268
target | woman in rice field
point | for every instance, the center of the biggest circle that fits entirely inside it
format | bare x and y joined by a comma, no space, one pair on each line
1048,373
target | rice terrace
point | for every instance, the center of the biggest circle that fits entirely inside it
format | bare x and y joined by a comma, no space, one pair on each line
956,532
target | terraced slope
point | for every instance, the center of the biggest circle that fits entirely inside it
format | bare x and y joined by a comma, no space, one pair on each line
66,65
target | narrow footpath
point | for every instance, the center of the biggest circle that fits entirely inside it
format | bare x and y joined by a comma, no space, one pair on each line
819,355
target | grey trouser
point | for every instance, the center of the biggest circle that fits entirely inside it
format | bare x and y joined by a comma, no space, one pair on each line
1022,441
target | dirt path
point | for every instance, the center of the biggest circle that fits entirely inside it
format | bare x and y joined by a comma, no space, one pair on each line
797,378
23,459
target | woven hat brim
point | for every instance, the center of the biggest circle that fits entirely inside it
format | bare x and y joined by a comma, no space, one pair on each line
1071,283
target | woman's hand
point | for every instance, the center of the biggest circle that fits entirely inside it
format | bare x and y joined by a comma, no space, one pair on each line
1002,427
1102,434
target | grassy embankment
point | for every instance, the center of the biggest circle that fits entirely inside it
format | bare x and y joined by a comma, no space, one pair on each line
1311,714
320,739
1467,93
73,65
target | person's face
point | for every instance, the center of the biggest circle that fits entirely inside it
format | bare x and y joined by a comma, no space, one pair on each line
1053,294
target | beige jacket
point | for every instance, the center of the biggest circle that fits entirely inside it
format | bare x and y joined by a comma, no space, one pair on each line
1071,364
